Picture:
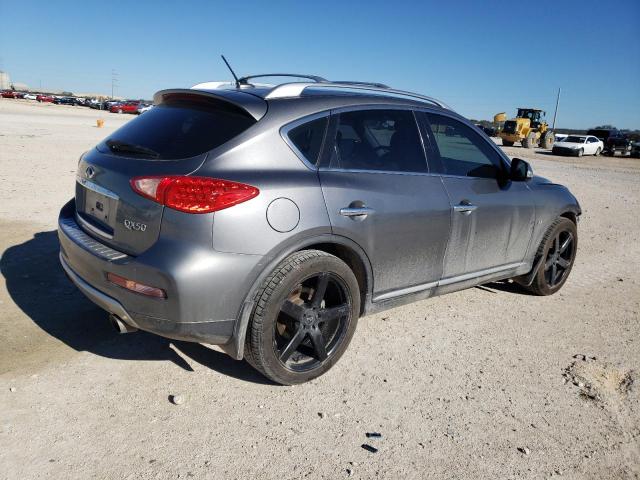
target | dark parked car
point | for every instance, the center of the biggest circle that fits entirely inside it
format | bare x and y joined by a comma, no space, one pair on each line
65,101
614,141
267,219
490,131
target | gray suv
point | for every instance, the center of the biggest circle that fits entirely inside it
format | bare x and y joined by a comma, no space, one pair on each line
267,218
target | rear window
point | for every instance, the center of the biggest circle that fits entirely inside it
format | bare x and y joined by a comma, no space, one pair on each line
179,129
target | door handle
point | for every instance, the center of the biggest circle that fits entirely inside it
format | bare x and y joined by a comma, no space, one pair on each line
356,211
465,208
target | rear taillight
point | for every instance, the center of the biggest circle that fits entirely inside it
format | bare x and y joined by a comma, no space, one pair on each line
193,194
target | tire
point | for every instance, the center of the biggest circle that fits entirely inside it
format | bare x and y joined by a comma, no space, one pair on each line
597,152
506,143
287,334
547,140
558,264
529,141
119,110
580,152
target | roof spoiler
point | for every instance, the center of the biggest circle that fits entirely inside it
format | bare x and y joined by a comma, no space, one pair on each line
253,105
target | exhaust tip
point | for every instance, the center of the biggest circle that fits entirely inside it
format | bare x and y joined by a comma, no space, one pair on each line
120,326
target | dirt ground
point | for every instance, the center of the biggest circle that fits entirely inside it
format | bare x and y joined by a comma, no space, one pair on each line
484,383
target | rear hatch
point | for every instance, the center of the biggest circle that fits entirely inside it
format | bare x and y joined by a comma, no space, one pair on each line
174,138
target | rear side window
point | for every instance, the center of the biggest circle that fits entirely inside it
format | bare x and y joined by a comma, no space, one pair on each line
383,140
179,129
308,138
463,151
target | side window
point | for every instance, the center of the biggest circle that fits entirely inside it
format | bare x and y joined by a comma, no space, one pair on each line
462,151
383,140
308,138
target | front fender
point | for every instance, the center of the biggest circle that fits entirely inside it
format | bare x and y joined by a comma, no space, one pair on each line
552,201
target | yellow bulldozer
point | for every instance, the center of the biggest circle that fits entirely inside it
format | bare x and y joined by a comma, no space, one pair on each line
529,128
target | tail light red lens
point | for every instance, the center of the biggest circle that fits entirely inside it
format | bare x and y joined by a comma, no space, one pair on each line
193,194
136,287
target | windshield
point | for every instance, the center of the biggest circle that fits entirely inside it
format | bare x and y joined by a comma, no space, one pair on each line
574,139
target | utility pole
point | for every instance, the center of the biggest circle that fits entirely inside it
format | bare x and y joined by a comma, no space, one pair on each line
553,128
114,81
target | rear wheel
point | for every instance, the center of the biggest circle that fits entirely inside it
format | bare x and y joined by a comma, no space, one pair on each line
305,316
558,248
507,143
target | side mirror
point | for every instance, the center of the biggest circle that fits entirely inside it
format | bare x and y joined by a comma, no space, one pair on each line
521,171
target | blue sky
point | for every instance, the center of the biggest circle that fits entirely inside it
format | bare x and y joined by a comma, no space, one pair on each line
479,57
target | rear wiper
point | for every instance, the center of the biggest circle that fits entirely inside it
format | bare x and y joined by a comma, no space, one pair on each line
117,146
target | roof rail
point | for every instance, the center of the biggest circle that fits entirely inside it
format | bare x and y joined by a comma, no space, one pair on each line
362,84
288,90
315,78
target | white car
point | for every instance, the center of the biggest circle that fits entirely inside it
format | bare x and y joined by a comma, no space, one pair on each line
30,96
578,145
144,108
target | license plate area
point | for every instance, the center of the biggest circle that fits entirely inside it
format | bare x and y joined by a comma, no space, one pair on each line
98,205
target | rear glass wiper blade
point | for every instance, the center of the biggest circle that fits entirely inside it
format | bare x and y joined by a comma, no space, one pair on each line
124,147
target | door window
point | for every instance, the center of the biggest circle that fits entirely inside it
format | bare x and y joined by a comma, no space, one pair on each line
462,151
382,140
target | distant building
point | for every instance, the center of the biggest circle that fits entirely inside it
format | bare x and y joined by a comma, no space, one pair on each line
5,81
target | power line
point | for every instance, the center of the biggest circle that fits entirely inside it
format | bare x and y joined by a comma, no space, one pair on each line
114,81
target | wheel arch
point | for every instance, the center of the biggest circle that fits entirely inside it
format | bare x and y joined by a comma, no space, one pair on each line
342,247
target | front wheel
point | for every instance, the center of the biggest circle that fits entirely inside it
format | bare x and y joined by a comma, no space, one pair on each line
597,152
507,143
305,316
558,248
580,152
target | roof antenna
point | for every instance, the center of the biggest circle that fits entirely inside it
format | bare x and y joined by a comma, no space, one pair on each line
232,72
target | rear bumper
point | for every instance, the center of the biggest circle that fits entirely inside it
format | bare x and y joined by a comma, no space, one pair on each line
205,289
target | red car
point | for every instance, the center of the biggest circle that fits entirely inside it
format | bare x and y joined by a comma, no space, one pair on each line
44,98
9,94
125,107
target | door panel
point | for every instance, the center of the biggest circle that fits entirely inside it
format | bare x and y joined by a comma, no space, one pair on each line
492,218
405,235
497,232
379,193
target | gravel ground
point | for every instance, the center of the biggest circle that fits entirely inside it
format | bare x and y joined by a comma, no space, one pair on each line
484,383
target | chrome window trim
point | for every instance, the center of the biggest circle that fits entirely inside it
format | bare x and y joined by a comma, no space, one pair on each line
384,172
284,133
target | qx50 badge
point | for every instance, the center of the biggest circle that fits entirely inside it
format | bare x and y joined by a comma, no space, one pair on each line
135,226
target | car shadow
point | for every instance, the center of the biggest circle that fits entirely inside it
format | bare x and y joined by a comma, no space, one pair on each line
504,286
38,286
